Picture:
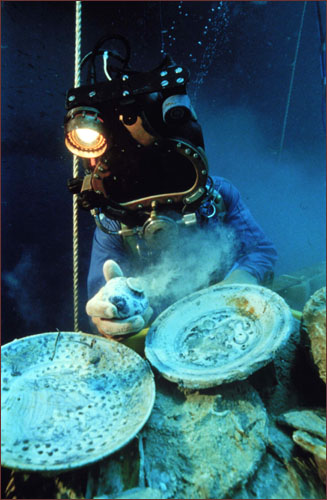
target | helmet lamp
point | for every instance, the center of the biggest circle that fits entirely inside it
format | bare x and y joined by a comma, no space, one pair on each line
84,133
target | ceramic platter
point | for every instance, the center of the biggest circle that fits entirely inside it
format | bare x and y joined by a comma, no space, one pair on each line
219,334
69,399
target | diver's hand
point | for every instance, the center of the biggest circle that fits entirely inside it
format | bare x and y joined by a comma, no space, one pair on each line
120,307
239,276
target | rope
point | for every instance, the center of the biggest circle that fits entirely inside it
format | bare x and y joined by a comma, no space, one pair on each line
77,78
291,83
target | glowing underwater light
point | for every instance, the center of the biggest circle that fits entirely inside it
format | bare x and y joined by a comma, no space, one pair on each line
84,133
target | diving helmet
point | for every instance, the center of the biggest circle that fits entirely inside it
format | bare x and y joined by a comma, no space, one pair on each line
139,139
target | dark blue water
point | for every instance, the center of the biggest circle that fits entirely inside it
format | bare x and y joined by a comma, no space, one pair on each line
240,55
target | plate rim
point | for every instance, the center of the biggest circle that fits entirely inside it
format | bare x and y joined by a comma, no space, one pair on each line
192,380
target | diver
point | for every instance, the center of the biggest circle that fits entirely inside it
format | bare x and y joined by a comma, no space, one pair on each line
148,188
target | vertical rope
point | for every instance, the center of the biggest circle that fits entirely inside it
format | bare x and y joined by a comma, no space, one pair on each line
291,83
77,78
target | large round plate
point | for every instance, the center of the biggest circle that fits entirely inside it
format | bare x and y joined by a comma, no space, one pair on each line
70,399
218,335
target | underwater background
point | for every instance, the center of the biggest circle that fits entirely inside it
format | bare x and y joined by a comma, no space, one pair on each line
241,56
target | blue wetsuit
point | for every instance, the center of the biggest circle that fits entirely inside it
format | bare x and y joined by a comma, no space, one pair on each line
256,254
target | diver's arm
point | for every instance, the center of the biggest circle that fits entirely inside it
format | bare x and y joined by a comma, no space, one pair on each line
104,247
109,259
239,276
257,255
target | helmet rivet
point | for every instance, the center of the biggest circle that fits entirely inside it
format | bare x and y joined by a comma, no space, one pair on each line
140,205
125,93
178,70
180,80
187,151
71,98
203,172
163,73
92,93
124,78
195,155
164,83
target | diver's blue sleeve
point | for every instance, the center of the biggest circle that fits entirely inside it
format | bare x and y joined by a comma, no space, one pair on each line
104,246
257,253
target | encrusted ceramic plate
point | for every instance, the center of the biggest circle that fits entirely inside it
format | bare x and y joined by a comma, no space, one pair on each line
70,399
218,335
